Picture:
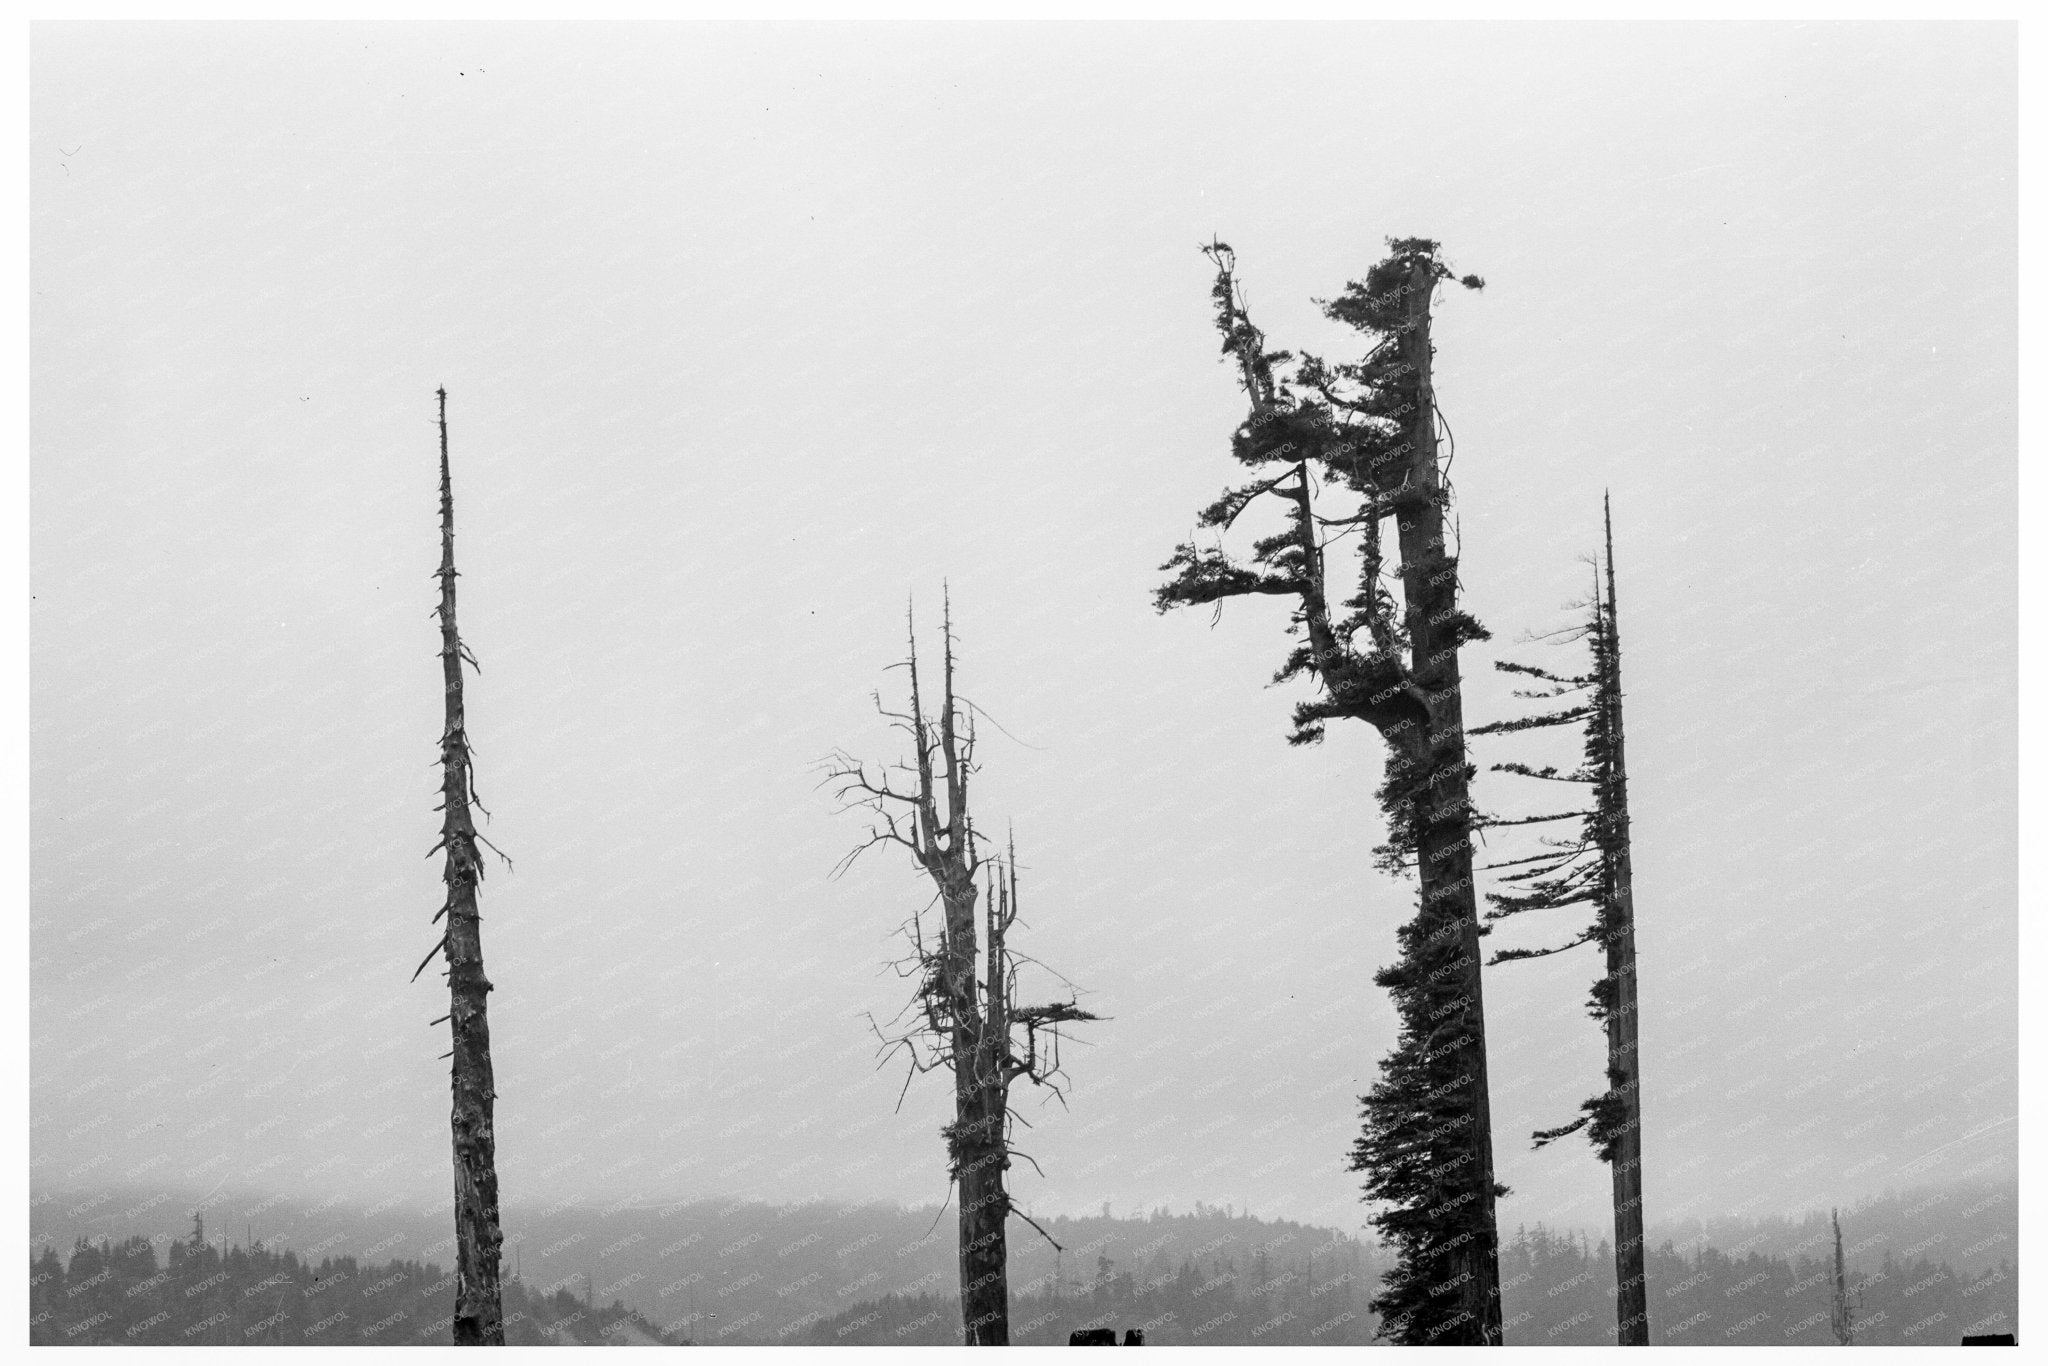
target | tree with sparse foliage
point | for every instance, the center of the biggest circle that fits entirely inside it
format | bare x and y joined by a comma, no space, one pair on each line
1341,449
963,1016
1843,1320
479,1314
1593,868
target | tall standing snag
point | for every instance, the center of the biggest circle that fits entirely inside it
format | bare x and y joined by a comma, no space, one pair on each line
479,1316
1842,1322
960,1019
1367,433
1593,868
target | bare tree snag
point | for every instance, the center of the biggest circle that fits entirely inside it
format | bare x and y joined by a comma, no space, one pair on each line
1593,868
1369,430
479,1316
1632,1304
959,1019
1843,1320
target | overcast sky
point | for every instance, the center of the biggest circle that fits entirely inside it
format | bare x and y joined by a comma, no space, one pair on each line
751,334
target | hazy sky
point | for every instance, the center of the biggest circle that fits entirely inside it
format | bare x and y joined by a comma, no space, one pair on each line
751,334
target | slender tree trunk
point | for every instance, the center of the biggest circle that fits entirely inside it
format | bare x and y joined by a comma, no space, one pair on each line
984,1197
1442,816
974,1140
975,1143
1426,1144
1844,1319
957,1021
984,1207
1632,1307
479,1317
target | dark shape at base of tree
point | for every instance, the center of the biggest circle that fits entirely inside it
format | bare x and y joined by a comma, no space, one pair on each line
960,1019
1366,432
479,1314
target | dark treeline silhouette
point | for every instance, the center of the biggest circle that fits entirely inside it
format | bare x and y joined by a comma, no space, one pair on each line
1972,1226
746,1273
1206,1279
120,1294
736,1271
1559,1291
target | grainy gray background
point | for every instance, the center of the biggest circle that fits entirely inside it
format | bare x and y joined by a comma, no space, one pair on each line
752,333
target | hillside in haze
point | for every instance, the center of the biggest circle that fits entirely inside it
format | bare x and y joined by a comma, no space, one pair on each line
1930,1263
1209,1278
1969,1225
203,1294
1559,1291
723,1272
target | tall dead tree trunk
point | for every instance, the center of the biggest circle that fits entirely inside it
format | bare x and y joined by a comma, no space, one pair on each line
975,1152
1594,868
961,1019
479,1316
1624,1076
1370,427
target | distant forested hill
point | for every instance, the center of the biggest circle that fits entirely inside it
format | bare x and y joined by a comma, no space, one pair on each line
119,1294
1971,1226
1934,1264
743,1272
1559,1290
1291,1286
721,1272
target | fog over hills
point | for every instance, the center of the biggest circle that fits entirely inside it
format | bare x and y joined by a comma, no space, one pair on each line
750,1271
700,1264
1970,1226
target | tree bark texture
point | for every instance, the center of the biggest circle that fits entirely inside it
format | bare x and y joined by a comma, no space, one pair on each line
479,1318
1441,810
1632,1309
